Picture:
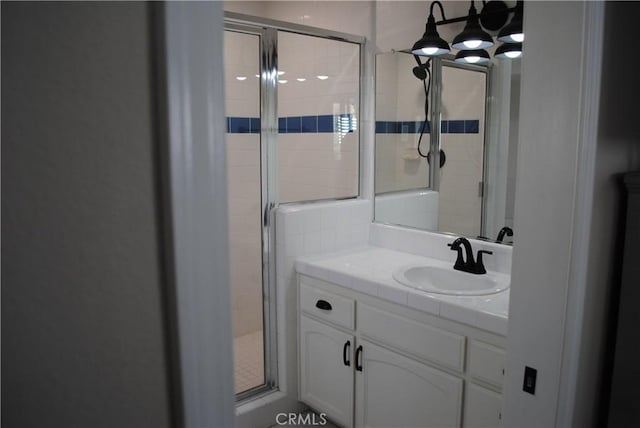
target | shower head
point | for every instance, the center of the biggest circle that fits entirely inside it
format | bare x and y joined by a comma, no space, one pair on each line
420,71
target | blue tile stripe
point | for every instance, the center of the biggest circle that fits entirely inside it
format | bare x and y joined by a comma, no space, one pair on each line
345,123
471,126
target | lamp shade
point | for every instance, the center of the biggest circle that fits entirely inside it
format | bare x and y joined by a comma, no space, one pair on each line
473,36
476,56
512,32
509,51
431,44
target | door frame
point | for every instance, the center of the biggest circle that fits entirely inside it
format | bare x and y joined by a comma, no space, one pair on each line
194,194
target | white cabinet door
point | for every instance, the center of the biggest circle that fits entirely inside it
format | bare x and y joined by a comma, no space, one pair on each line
481,407
326,370
395,391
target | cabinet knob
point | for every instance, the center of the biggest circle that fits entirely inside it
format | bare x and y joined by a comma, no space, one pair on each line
324,305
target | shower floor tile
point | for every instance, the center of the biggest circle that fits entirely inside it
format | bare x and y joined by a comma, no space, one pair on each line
248,351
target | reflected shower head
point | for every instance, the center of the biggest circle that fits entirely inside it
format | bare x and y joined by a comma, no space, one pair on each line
420,71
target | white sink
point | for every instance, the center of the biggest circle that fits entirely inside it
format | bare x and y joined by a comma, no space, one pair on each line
446,280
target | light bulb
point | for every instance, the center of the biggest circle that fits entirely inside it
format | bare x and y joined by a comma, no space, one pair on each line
280,73
282,81
429,51
241,78
513,54
301,79
518,37
472,59
472,44
321,77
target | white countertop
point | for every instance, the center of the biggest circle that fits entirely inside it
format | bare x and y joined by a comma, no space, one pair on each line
369,270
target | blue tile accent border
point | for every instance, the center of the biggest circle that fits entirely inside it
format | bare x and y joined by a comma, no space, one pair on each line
346,123
296,124
456,127
459,126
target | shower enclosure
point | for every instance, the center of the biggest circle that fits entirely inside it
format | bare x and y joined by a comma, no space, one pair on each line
292,106
431,144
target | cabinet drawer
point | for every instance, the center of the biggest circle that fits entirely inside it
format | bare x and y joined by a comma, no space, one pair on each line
486,362
335,309
413,337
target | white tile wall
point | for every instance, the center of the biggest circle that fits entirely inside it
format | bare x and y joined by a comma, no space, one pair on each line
398,166
244,188
317,165
463,97
308,229
413,208
399,96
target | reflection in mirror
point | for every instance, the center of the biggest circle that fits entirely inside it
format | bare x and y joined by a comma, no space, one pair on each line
470,192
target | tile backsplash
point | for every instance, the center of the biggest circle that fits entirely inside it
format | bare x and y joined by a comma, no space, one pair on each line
434,245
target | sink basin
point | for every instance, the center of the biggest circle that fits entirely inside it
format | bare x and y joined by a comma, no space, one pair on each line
446,280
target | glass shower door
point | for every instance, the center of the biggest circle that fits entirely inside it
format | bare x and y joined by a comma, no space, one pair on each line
243,140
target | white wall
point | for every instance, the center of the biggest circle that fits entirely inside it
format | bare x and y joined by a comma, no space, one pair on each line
544,207
566,211
618,151
83,337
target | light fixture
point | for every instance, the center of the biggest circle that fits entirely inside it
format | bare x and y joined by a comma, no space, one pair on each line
280,73
282,81
509,51
431,44
475,56
241,78
473,36
322,77
301,79
512,32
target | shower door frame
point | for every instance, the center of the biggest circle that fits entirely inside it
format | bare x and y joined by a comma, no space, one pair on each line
436,116
268,170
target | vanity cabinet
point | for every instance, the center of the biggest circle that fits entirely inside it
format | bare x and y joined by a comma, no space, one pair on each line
366,362
393,390
326,373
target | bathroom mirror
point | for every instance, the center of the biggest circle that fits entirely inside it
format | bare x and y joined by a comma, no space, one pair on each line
471,190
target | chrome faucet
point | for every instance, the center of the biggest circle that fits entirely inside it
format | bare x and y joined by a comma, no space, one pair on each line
468,264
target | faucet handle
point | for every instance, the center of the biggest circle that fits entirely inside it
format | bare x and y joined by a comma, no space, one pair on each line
480,269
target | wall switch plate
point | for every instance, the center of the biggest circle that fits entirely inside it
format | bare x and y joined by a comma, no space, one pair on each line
529,385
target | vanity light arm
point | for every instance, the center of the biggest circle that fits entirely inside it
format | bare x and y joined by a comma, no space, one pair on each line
434,3
464,18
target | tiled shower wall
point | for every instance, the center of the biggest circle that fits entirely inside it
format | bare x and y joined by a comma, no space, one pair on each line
244,186
460,203
399,117
318,157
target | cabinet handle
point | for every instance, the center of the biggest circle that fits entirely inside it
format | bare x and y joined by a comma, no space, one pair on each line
358,358
345,353
324,305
